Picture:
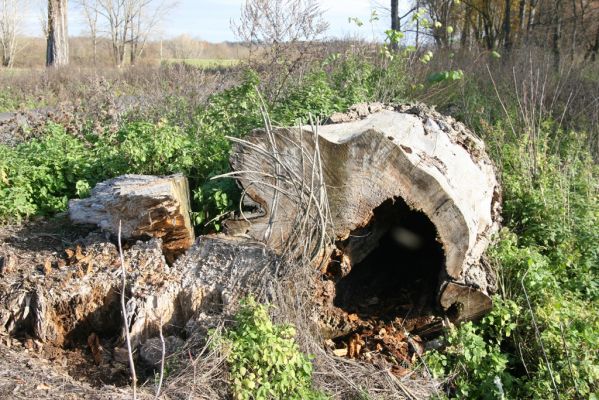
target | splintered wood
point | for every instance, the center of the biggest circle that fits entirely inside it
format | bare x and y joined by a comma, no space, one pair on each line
146,206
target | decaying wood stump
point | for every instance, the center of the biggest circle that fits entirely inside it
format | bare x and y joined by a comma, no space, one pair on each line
391,208
405,186
147,206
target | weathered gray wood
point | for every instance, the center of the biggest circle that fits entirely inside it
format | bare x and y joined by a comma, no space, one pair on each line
146,206
380,153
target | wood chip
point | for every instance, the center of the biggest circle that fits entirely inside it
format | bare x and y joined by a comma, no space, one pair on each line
340,352
79,253
355,345
48,267
70,253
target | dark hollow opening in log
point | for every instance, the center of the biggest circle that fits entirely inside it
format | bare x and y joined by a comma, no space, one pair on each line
395,264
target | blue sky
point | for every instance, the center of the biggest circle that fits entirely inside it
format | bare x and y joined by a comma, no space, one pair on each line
210,19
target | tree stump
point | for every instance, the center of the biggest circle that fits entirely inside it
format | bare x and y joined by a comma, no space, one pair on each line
413,202
146,206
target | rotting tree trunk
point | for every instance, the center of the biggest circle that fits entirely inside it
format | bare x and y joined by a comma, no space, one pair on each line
400,182
57,50
148,206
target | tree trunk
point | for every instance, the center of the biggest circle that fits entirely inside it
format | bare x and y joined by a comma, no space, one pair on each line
146,206
575,23
465,37
417,39
507,25
522,16
404,217
370,216
593,49
57,51
395,22
557,34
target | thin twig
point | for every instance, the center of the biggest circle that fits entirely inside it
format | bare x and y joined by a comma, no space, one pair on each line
162,342
126,317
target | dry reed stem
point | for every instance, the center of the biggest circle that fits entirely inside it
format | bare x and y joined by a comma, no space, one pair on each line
126,316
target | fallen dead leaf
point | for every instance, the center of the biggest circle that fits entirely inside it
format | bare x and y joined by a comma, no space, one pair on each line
353,317
416,344
79,253
340,352
48,267
42,386
70,253
399,371
90,268
7,264
28,344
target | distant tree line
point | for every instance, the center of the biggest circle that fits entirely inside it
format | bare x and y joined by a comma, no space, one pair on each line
567,27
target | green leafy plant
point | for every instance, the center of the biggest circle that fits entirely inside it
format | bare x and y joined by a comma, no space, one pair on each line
264,359
473,361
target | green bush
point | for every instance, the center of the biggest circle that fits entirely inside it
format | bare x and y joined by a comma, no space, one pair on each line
475,366
264,359
548,262
38,177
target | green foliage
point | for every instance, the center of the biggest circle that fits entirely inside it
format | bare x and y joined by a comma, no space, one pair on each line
548,261
265,361
11,100
38,177
567,320
475,362
552,204
213,201
232,112
315,96
446,76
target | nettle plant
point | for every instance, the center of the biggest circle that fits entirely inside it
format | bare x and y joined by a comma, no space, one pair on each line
264,359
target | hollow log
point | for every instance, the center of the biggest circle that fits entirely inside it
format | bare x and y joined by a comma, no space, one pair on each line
410,193
147,206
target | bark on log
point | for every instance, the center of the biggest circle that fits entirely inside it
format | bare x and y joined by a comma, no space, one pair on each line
376,157
147,206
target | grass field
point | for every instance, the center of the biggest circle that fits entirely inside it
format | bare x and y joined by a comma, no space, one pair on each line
203,62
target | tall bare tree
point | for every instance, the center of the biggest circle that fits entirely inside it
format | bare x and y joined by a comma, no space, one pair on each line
185,46
90,12
280,23
282,34
128,23
57,50
11,14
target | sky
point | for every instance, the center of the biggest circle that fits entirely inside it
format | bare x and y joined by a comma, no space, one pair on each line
210,19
